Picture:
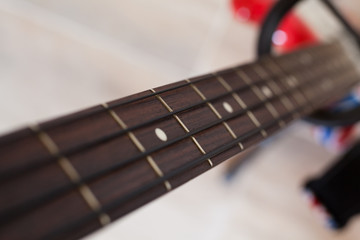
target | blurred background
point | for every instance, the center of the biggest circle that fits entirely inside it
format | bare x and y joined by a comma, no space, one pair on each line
57,57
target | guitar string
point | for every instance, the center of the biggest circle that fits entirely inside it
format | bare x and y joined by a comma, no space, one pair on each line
114,135
113,168
174,173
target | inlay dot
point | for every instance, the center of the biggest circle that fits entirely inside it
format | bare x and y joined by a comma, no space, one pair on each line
228,107
160,134
267,92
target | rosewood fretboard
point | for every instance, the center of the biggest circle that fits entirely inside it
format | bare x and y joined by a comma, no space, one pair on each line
65,178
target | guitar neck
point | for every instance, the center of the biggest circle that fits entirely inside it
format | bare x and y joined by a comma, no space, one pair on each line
94,166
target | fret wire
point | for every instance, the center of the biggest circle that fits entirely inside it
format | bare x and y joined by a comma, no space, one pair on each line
257,92
242,104
218,115
139,146
182,124
153,184
73,175
116,167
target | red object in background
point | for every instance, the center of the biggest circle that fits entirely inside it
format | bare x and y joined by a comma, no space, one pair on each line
292,32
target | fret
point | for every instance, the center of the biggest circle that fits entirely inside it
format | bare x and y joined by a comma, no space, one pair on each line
242,104
219,116
270,107
139,145
73,175
183,126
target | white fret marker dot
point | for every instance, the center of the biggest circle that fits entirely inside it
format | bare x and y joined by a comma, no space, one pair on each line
228,107
160,134
267,92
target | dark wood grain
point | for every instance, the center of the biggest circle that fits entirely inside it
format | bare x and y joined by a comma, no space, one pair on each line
118,162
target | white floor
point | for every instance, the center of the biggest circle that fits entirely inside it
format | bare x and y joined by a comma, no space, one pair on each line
60,56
